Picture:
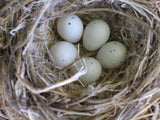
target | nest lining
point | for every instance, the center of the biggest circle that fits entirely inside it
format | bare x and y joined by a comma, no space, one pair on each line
36,84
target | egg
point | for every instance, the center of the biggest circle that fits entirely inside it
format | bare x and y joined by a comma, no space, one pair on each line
63,53
95,35
70,28
93,73
112,54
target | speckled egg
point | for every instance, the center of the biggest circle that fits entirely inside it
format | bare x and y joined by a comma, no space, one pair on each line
112,54
63,53
93,73
70,28
96,34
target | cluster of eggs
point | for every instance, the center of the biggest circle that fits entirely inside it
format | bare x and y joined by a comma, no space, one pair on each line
95,36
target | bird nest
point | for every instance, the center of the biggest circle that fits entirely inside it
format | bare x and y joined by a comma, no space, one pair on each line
32,87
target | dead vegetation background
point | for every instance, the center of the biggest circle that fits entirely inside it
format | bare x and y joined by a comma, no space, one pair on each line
33,88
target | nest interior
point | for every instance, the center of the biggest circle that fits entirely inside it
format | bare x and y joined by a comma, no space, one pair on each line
32,87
